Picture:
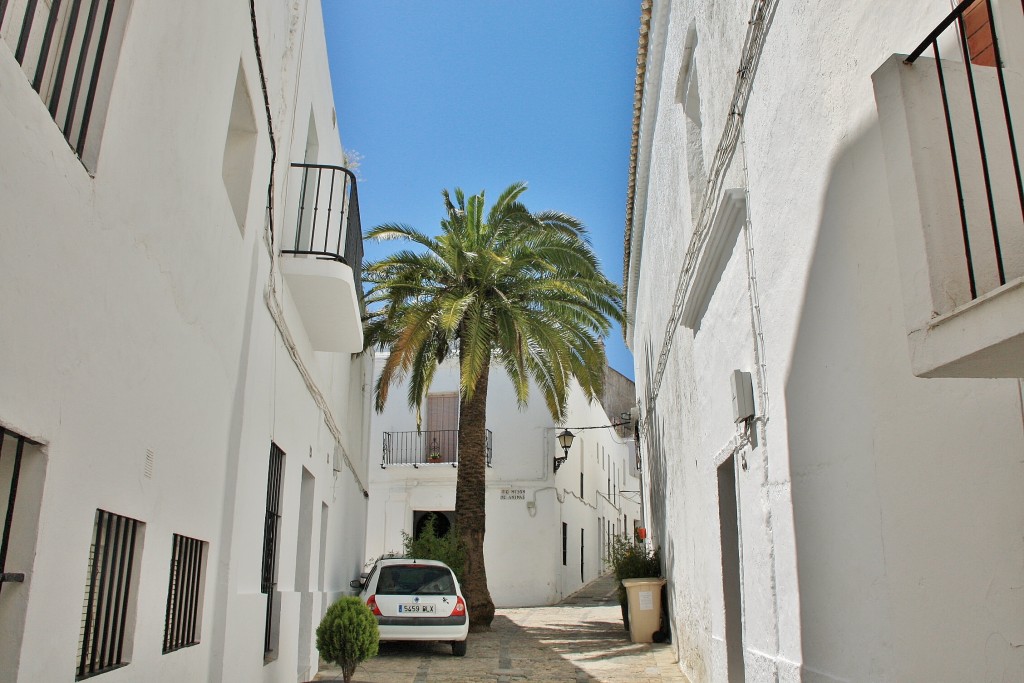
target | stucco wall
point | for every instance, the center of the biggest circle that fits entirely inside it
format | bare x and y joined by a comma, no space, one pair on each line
135,321
862,500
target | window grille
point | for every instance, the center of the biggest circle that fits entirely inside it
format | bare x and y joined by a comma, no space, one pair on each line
271,525
67,49
107,592
565,544
14,475
181,623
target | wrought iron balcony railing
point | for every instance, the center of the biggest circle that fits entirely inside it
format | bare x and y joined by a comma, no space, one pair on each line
438,447
982,146
328,224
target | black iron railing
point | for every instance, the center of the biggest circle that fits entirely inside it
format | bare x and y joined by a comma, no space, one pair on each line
61,46
107,593
327,225
977,37
438,447
271,527
15,449
181,624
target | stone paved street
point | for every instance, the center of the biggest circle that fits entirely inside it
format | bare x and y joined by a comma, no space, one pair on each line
579,640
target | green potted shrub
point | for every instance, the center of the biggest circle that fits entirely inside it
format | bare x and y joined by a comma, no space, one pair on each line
632,559
347,635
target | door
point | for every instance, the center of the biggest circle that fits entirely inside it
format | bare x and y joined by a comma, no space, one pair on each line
441,439
728,520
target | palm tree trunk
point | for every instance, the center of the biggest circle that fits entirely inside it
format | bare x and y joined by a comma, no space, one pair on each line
470,499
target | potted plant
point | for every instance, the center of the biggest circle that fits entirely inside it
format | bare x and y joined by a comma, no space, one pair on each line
347,635
434,457
632,559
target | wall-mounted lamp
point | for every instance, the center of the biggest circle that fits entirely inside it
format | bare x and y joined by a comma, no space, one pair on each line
565,437
565,441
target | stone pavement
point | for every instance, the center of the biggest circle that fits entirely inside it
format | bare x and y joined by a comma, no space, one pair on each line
579,640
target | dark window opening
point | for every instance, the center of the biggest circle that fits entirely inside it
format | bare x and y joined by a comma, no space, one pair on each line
415,579
271,528
184,593
68,51
108,594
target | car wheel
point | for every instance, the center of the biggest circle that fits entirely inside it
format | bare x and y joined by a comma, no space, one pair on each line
459,648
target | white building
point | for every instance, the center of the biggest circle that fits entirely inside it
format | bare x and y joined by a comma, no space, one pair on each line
183,442
546,531
793,184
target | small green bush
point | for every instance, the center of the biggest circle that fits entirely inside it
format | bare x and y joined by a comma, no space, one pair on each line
347,635
632,559
430,546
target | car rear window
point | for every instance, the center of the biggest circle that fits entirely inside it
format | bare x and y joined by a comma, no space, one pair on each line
413,579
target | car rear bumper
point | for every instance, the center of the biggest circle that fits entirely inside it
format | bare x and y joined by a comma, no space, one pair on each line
423,628
421,621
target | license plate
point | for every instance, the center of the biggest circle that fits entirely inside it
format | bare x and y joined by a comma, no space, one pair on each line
416,609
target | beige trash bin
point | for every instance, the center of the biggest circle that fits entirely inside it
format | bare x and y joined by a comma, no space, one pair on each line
644,598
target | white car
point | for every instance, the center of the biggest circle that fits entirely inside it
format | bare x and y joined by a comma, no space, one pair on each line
416,600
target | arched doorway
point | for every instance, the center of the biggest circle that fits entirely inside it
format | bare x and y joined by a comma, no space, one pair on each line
442,524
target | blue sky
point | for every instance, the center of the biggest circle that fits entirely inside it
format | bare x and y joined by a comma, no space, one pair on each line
481,94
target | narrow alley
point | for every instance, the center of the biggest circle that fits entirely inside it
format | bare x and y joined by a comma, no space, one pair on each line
578,640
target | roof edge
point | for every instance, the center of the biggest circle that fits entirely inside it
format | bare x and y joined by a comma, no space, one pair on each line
638,98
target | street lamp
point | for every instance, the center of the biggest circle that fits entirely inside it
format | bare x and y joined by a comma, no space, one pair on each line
565,441
565,437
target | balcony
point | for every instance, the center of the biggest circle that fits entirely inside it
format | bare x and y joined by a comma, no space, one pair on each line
425,448
949,114
322,268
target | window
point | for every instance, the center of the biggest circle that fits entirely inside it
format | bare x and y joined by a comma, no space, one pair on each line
22,470
565,544
977,27
69,51
109,596
184,593
687,87
15,453
271,527
582,575
240,150
415,579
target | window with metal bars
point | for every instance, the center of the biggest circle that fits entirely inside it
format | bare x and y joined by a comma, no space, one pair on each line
109,598
184,593
565,544
13,449
271,526
68,50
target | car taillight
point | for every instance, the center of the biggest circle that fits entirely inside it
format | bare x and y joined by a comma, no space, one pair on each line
459,609
371,602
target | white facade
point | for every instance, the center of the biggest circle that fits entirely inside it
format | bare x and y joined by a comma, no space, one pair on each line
152,351
864,524
529,507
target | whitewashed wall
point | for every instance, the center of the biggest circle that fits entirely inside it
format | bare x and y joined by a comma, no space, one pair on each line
134,318
523,546
879,516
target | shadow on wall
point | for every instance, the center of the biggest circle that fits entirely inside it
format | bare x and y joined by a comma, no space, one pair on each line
655,471
851,288
885,504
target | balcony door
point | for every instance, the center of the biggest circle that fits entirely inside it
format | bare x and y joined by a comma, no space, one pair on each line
441,438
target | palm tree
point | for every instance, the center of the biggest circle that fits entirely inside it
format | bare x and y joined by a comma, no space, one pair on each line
513,288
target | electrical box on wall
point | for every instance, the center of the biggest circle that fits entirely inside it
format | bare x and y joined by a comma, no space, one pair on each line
742,396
